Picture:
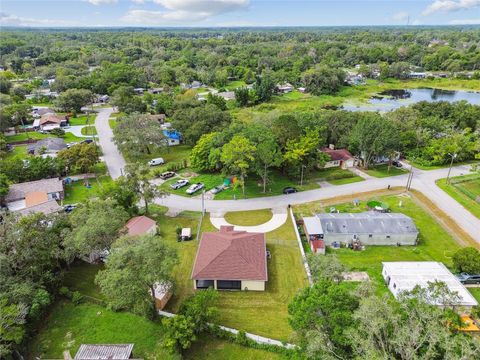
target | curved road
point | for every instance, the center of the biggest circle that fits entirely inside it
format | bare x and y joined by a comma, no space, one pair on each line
423,181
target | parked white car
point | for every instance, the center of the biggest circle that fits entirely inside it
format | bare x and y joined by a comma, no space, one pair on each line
157,161
194,188
179,183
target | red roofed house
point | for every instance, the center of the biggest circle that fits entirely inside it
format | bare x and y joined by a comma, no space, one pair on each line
141,225
49,122
339,158
231,260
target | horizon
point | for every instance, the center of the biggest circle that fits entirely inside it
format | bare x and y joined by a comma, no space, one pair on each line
236,13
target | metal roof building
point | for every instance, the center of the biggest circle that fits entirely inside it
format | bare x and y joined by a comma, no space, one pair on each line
104,352
405,275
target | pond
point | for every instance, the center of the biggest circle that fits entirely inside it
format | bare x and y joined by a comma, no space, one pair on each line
393,99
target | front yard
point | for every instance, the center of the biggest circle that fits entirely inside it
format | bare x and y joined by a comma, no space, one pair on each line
78,191
381,171
68,137
248,218
464,189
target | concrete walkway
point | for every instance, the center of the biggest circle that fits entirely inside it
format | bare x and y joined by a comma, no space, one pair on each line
77,130
112,156
278,219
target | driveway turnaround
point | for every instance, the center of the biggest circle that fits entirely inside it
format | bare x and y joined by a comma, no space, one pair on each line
278,219
111,155
77,130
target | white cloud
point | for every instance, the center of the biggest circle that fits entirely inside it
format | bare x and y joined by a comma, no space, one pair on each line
401,16
180,11
102,2
139,1
14,20
465,22
450,5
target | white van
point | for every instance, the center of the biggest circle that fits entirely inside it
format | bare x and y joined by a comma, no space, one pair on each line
157,161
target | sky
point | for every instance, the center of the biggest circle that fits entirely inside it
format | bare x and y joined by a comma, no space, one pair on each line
231,13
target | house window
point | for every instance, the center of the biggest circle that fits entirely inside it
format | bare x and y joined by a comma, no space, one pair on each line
370,235
205,284
229,285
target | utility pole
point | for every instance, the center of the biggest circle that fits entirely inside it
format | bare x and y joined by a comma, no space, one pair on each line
410,178
203,202
301,177
450,168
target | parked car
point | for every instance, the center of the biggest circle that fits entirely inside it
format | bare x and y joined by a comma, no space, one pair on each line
167,175
397,164
69,208
9,147
194,188
70,144
217,189
179,183
86,141
289,190
468,279
157,161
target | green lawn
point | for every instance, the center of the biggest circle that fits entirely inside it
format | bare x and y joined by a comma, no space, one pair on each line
249,218
232,85
464,189
81,120
435,243
68,326
78,192
381,171
81,276
443,166
18,152
253,186
68,137
475,291
210,348
89,130
335,176
112,123
171,154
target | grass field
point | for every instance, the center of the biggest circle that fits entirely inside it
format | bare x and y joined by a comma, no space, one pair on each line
81,276
78,192
435,243
173,154
68,326
81,120
475,292
18,152
253,186
464,189
112,123
248,218
232,85
89,130
381,171
210,348
68,137
335,176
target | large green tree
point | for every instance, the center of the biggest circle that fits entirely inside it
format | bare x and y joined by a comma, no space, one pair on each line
323,80
134,267
74,99
467,260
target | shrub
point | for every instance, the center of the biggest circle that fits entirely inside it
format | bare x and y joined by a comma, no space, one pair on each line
65,291
467,260
57,132
77,298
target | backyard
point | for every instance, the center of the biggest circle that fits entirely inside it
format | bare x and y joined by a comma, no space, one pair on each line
78,191
465,190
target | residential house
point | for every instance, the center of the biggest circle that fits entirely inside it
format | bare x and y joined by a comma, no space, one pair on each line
48,122
158,117
416,75
227,95
284,88
38,112
35,196
366,228
338,158
50,146
141,225
103,352
401,276
103,99
156,90
231,260
302,89
173,137
139,91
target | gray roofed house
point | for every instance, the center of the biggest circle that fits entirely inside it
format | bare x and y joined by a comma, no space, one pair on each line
48,207
227,95
370,228
53,187
51,145
104,352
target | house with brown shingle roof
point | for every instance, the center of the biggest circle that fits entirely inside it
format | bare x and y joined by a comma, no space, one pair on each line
141,225
49,121
231,260
338,158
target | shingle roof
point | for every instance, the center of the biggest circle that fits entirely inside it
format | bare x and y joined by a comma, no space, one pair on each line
19,191
231,255
50,118
48,207
139,225
104,352
52,144
336,155
369,222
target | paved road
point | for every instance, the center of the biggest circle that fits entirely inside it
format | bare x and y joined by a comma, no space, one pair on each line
112,157
423,181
